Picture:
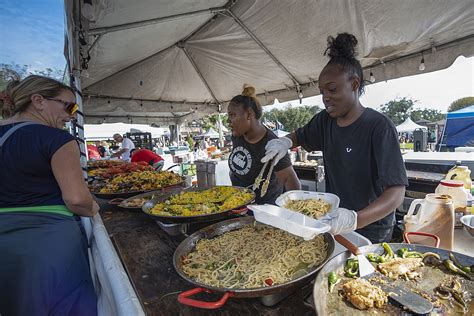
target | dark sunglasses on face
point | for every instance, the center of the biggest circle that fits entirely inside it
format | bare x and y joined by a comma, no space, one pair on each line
70,107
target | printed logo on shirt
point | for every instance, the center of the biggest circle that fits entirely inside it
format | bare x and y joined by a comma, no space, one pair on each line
240,160
348,149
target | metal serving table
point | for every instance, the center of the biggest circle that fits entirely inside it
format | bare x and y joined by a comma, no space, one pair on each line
146,252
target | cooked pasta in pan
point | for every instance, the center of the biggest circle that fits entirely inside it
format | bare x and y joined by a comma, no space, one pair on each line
253,256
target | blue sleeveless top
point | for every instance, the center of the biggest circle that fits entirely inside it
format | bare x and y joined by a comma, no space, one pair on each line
26,177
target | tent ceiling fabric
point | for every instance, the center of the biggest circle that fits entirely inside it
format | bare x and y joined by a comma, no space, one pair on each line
195,55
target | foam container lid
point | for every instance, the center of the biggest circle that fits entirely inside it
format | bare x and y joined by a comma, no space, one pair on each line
293,222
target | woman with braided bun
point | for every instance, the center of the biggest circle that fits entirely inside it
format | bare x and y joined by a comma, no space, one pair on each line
249,137
362,159
44,266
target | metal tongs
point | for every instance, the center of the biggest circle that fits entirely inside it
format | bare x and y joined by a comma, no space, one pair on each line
259,178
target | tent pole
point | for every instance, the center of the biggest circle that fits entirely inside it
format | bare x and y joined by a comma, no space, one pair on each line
442,134
126,26
79,124
221,133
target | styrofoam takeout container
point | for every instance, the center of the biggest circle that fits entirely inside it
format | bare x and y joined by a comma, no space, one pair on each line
306,195
293,222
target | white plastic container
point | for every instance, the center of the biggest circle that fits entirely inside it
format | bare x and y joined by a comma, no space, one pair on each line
459,195
293,222
306,195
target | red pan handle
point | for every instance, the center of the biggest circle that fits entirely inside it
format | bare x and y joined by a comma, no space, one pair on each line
240,210
349,245
183,298
406,234
116,201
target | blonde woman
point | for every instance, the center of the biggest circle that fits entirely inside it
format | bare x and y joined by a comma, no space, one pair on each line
43,263
249,138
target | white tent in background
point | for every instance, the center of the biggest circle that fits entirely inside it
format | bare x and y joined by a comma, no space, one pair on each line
210,133
106,131
408,126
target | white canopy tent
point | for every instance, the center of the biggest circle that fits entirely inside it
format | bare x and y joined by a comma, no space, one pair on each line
212,133
106,131
156,61
409,126
160,61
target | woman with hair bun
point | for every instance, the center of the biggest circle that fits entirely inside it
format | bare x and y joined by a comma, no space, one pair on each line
44,264
362,159
249,138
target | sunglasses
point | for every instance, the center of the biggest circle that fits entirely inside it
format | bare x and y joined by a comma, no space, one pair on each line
70,107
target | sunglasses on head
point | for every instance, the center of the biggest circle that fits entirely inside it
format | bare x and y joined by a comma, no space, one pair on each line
70,107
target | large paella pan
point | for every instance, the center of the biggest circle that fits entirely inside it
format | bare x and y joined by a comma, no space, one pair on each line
263,282
198,204
433,278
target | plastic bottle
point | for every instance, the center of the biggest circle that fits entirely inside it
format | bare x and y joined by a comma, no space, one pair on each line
459,195
435,216
460,173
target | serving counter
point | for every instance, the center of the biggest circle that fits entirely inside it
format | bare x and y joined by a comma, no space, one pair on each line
146,252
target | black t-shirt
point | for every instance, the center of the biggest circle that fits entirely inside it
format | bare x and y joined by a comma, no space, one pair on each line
359,160
245,165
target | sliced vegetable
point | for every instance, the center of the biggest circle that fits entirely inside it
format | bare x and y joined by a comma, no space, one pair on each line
431,258
351,269
406,253
389,254
269,282
373,257
333,279
458,264
453,268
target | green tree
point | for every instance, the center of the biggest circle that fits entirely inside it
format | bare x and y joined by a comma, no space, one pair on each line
426,114
398,110
212,121
461,104
292,117
13,70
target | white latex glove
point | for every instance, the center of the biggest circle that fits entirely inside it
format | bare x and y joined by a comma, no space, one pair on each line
342,221
277,148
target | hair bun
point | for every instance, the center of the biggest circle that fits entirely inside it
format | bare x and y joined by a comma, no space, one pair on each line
249,91
344,45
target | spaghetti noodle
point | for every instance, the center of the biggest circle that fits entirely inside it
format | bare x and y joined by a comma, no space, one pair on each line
252,257
314,208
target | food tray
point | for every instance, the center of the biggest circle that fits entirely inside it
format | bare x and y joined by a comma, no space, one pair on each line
306,195
293,222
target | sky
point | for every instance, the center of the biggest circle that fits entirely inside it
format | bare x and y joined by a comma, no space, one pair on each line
32,33
434,90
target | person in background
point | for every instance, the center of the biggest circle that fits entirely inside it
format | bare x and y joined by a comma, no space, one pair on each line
149,157
127,146
101,149
362,158
93,152
44,264
205,143
249,138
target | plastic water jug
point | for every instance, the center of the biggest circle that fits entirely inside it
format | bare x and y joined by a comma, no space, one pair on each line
459,195
435,216
460,173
